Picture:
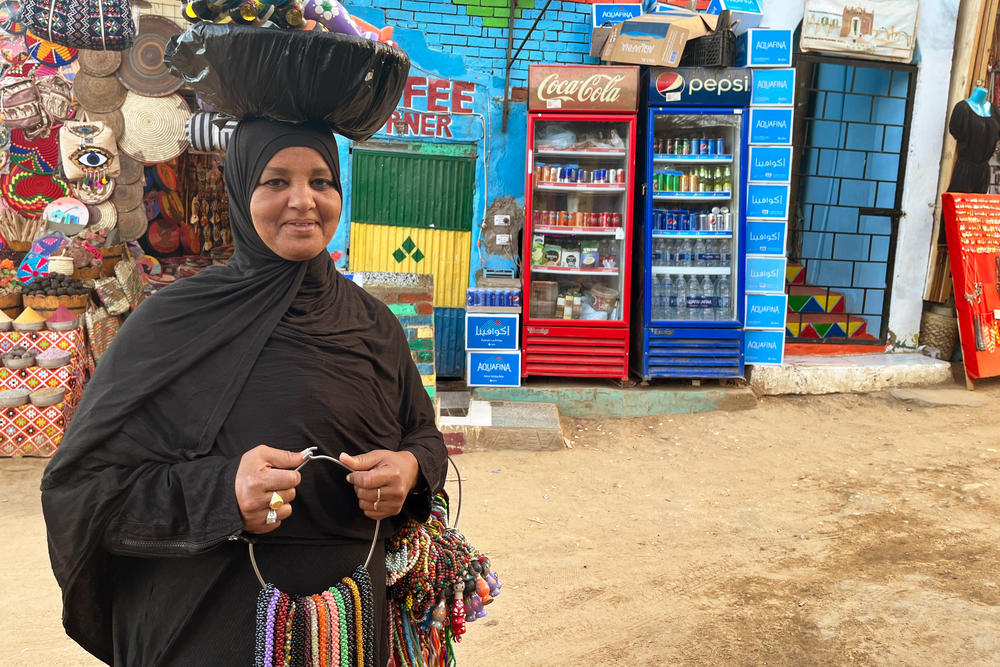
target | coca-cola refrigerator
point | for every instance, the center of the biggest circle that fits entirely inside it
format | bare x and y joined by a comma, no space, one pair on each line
578,226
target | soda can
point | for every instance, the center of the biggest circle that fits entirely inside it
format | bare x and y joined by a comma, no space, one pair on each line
515,298
470,297
552,218
491,297
720,146
578,219
703,146
620,176
616,219
671,146
480,296
574,175
605,220
703,222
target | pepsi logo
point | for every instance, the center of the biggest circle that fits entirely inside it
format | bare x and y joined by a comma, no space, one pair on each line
669,82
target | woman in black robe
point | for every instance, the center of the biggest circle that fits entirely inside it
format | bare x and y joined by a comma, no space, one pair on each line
197,413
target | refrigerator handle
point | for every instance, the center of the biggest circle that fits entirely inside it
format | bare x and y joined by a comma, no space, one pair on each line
643,189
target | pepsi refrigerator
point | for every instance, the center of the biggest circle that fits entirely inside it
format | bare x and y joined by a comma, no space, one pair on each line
689,243
578,220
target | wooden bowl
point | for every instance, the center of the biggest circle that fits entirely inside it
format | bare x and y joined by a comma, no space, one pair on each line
43,398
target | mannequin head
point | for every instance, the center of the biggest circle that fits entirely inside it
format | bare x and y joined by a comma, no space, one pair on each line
978,95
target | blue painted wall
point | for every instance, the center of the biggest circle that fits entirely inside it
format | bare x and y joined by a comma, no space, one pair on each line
464,42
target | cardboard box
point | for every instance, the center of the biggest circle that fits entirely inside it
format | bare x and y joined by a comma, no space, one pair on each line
655,39
746,14
765,47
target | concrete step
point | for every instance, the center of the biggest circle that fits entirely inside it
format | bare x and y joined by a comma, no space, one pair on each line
492,425
849,373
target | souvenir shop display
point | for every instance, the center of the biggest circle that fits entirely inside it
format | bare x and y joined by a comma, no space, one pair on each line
142,69
972,226
154,127
99,63
247,71
104,25
89,152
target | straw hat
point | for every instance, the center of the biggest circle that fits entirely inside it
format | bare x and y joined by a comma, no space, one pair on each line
127,196
143,70
113,119
154,127
99,63
101,94
103,216
132,224
132,171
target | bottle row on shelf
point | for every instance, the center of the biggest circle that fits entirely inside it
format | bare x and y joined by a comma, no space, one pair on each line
579,302
574,174
718,219
492,296
700,179
571,254
685,297
691,252
576,219
704,145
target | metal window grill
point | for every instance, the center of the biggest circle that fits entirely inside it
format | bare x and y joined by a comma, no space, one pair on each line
852,125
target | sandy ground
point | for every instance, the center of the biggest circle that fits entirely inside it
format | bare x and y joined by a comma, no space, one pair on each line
834,530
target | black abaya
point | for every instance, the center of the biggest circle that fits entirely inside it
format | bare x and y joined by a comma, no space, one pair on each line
977,140
139,499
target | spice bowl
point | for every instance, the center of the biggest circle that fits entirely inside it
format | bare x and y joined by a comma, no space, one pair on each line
50,359
68,325
43,398
13,398
28,326
19,363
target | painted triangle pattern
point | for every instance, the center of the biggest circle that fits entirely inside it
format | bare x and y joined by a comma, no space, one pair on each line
816,312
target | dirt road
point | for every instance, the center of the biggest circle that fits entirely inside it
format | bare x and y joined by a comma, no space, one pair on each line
809,531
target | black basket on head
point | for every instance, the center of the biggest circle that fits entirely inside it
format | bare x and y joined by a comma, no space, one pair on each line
717,49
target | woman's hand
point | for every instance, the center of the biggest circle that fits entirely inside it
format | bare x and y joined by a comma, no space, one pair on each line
382,479
264,470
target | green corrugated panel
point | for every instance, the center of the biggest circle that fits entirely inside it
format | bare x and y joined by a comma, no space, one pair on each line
412,190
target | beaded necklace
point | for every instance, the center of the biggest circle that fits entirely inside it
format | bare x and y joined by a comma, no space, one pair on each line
436,582
333,628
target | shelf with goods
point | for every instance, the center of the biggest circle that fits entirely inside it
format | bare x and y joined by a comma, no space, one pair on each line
707,234
586,188
692,196
31,430
582,152
692,159
693,270
561,230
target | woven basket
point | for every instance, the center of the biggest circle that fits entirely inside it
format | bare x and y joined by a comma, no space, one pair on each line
940,331
111,256
87,273
10,304
46,305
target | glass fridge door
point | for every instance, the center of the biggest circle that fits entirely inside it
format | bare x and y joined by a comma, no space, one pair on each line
579,208
695,218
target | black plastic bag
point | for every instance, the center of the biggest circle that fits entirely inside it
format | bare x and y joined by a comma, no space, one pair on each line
352,84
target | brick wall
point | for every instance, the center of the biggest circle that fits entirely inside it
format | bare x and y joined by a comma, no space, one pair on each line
477,30
410,297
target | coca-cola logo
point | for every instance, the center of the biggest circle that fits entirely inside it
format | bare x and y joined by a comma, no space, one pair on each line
603,88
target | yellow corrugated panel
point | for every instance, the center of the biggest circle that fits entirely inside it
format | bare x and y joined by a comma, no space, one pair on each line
443,254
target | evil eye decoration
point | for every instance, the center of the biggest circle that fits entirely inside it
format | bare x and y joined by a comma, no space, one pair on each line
91,158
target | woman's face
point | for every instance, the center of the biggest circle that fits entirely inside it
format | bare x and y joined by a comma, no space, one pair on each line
295,207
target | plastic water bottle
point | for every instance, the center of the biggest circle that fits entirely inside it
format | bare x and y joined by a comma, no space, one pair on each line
686,255
724,300
707,293
656,298
726,252
700,253
656,253
666,295
682,299
671,252
715,252
671,297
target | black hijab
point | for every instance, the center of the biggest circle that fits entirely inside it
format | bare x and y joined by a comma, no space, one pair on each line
183,356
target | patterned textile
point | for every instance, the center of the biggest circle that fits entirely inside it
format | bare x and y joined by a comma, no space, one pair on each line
32,431
39,155
102,25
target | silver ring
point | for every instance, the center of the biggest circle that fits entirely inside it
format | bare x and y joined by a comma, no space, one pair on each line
272,517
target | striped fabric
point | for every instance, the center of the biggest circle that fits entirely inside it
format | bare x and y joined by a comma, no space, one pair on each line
204,134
